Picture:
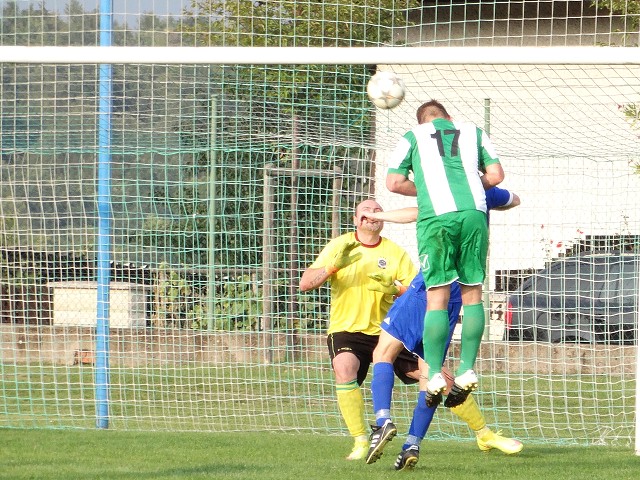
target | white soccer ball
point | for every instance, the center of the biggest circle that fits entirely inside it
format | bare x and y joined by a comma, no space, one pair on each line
386,90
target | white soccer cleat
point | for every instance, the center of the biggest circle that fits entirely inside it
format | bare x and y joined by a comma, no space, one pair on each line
467,381
463,385
435,387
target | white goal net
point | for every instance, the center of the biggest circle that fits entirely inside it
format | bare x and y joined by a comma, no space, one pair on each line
201,173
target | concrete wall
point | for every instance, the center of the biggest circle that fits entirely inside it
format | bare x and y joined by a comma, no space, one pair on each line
146,347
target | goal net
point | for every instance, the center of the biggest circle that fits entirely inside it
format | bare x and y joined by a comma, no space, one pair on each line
229,169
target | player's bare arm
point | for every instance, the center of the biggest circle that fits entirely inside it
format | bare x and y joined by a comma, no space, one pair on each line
401,215
398,183
493,175
313,278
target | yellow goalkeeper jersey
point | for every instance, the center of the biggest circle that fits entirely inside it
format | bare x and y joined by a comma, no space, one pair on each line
355,308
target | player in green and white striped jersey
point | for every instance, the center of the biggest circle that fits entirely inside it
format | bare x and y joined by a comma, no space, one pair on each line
446,158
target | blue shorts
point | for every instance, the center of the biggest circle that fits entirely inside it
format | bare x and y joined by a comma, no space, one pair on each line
405,319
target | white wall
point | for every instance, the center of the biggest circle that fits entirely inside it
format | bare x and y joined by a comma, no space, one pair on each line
564,142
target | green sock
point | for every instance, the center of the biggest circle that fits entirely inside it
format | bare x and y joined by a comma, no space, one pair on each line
472,332
435,334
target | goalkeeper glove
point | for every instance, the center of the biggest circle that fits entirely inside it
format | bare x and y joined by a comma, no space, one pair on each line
386,284
343,258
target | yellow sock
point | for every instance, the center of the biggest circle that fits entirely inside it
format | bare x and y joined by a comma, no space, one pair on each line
351,405
470,413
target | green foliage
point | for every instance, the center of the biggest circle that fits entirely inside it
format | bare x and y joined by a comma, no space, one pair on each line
173,239
346,23
200,138
181,301
19,271
35,24
174,300
314,310
8,231
632,112
238,304
630,9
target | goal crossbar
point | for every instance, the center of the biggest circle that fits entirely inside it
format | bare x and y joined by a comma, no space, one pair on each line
321,55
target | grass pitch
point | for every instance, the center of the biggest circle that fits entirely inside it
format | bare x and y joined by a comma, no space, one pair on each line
97,454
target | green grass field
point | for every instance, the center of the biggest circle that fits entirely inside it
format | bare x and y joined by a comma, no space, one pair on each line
293,398
221,422
93,454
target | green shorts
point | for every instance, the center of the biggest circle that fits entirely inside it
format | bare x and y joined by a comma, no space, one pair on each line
453,246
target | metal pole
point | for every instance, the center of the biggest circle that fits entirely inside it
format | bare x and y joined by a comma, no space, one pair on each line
294,268
104,224
335,202
268,264
211,217
486,298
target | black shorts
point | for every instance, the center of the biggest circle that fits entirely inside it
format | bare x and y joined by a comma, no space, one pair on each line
362,346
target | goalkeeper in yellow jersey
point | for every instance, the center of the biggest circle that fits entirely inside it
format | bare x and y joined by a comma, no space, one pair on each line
358,305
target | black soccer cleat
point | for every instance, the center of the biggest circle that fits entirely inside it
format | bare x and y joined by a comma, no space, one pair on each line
380,436
463,385
408,458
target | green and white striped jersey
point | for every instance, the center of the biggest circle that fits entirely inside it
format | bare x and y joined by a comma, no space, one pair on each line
445,158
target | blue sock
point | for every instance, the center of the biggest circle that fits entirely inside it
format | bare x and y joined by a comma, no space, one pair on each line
422,416
381,390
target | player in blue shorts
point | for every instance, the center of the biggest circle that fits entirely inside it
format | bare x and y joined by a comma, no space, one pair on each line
404,320
403,327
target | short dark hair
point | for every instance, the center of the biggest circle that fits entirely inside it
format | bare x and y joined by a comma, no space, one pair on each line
432,108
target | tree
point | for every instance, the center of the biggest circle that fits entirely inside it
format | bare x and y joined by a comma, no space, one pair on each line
316,115
329,101
163,123
352,23
630,9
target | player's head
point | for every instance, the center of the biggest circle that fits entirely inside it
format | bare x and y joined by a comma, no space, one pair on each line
431,110
362,222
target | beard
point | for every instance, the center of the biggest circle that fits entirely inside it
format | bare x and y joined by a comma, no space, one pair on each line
373,227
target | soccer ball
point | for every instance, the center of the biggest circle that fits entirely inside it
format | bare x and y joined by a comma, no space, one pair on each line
386,90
